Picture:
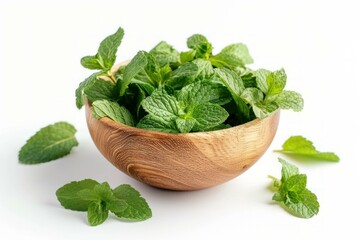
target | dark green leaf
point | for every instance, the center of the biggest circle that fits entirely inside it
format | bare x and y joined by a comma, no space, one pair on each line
97,213
79,93
99,89
90,62
154,123
49,143
208,115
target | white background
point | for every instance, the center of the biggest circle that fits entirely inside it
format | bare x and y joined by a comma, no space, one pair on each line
317,42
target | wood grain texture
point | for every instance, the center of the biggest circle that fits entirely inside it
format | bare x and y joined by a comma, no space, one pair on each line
188,161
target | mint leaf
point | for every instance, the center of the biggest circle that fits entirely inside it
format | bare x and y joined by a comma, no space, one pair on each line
276,82
300,146
163,105
99,89
77,195
187,56
97,213
302,204
290,100
293,194
79,93
232,56
235,86
208,115
49,143
137,209
154,123
261,79
106,55
185,124
264,109
252,95
112,110
165,54
205,69
183,75
201,45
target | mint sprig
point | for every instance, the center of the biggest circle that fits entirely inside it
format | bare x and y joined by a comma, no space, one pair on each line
49,143
98,199
292,193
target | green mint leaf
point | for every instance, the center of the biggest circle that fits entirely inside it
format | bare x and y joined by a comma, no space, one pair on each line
99,89
235,86
77,195
90,62
201,45
187,56
185,125
165,54
249,79
300,146
205,69
202,92
112,110
154,123
276,82
232,56
138,209
264,109
79,93
162,105
292,192
261,79
287,170
49,143
252,95
208,115
183,75
303,204
290,100
132,69
106,55
97,213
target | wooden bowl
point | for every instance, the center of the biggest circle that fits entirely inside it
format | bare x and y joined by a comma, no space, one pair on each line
187,161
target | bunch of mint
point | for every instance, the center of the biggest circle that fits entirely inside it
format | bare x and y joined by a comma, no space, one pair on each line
180,92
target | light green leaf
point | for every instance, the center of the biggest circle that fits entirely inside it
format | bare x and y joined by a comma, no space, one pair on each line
208,115
49,143
165,54
232,56
300,146
303,204
138,209
295,183
187,56
205,69
185,125
287,170
252,95
276,82
97,213
201,45
112,110
154,123
261,79
264,109
234,84
290,100
162,105
77,195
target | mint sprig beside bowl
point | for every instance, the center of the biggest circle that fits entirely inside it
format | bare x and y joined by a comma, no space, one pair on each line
182,120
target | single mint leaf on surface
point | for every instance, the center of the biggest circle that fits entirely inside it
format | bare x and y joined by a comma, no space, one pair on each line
138,209
77,195
232,56
112,110
201,45
154,123
303,204
290,100
208,115
291,191
300,146
49,143
97,213
164,54
106,55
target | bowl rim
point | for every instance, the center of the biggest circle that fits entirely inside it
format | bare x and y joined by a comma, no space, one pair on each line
117,125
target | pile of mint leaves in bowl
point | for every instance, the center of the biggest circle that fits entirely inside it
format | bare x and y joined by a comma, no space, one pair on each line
182,120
